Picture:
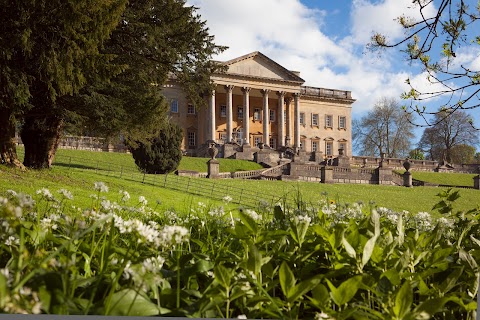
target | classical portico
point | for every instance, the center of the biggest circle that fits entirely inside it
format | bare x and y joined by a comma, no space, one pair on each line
257,101
248,78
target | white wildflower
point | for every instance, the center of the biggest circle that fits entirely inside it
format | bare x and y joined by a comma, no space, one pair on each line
101,187
12,240
125,195
66,194
242,316
45,193
142,200
227,199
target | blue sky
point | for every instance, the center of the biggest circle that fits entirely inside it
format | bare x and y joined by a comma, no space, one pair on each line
325,40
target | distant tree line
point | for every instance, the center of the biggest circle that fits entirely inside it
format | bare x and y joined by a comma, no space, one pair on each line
387,129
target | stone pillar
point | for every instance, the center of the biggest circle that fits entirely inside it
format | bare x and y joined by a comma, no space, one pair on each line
407,179
288,131
229,90
246,114
384,175
281,119
213,168
296,118
476,182
266,118
327,174
211,115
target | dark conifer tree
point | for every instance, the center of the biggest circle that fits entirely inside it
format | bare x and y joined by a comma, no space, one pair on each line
160,154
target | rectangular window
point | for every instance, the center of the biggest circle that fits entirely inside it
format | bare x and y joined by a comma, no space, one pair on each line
302,118
257,115
174,105
329,148
343,145
342,122
328,121
273,143
285,116
240,113
223,136
272,115
257,140
191,139
314,146
190,109
223,111
314,119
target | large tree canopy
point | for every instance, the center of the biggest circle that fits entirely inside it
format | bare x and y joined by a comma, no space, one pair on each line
440,140
438,40
384,129
49,49
97,65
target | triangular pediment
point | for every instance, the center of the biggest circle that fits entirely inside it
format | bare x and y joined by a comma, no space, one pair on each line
258,65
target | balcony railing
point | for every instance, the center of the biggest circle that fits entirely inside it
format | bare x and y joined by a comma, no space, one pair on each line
322,92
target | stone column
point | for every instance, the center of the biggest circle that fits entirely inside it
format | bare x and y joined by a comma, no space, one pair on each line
281,119
296,118
211,115
229,89
246,114
288,126
266,117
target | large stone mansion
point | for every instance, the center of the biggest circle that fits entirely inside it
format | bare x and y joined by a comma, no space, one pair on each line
259,103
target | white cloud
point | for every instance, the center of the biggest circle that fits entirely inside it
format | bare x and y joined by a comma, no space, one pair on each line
368,17
291,34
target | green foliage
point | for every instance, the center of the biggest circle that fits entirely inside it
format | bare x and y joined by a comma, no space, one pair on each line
112,258
416,154
161,154
447,26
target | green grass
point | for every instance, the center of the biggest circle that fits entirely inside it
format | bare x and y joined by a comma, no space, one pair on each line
453,179
80,181
105,159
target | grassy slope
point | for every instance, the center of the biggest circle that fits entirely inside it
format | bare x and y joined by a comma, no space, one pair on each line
81,181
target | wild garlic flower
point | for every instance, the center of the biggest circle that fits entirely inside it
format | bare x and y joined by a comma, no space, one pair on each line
227,199
423,221
125,195
142,200
101,187
66,194
46,194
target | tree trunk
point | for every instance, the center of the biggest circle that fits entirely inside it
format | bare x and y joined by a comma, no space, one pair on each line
41,138
8,150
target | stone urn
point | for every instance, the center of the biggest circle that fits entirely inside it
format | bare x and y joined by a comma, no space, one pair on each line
407,164
212,151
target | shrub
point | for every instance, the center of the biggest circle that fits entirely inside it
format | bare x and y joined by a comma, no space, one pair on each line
161,154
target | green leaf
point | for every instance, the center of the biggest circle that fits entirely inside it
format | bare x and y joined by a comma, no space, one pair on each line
302,288
451,280
249,222
368,250
431,306
320,295
349,249
287,278
128,302
403,300
346,291
278,214
254,260
223,275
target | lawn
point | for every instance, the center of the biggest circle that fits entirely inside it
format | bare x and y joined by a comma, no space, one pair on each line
110,252
119,172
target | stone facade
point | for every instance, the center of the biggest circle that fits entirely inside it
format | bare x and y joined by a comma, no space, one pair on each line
257,101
